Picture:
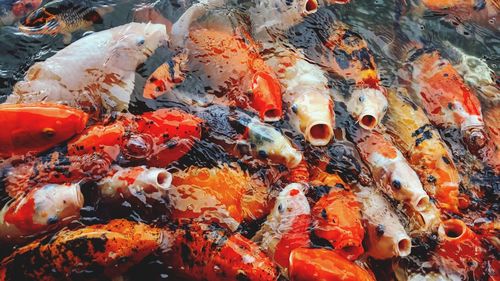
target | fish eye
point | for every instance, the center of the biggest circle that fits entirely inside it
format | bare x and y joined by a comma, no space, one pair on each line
141,41
280,208
49,132
396,184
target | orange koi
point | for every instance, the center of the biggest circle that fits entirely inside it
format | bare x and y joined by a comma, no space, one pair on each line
287,226
337,219
424,149
105,251
154,138
482,11
391,170
446,98
324,265
34,128
245,197
300,173
459,249
202,252
230,67
40,210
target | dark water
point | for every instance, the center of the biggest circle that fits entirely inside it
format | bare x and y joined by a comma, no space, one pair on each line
381,23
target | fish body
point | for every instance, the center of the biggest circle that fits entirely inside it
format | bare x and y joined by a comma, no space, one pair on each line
459,249
102,66
34,128
287,226
229,67
306,93
385,236
139,182
39,210
340,51
424,149
337,219
391,170
209,253
62,16
244,196
325,265
155,139
447,100
100,251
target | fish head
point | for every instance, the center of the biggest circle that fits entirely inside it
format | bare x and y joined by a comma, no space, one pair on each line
266,91
404,183
290,204
368,107
134,43
40,126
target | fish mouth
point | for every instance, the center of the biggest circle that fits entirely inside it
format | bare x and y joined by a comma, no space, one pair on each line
310,7
452,229
319,133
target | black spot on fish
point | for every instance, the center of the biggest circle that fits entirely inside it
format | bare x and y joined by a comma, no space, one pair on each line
431,179
396,184
242,276
342,58
380,229
186,255
425,136
323,214
446,160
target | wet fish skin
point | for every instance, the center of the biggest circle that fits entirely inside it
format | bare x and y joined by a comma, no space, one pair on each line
40,210
390,169
424,149
34,128
287,226
103,70
446,99
322,264
99,251
207,252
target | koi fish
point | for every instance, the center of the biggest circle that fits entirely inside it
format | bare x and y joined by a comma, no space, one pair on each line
62,16
34,128
242,134
139,182
446,98
13,10
287,226
244,196
231,69
192,204
103,70
322,265
40,210
337,219
386,237
100,251
310,106
459,249
391,170
484,12
337,49
491,153
299,174
155,139
209,253
424,149
477,73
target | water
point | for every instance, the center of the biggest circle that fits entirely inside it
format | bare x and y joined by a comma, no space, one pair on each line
386,25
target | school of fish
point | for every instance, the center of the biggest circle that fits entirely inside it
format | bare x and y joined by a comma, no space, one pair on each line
252,164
